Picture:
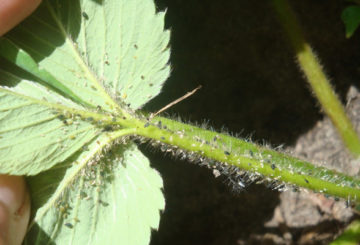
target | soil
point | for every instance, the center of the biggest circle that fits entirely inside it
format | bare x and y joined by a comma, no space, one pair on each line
237,51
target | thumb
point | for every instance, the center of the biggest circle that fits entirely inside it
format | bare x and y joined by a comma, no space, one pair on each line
14,209
13,12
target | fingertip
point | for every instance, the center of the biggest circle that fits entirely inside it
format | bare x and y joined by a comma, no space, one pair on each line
12,12
14,209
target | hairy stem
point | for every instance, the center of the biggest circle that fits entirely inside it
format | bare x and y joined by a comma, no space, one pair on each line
316,77
216,149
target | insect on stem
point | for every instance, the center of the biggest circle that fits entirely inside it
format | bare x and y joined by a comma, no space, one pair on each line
152,115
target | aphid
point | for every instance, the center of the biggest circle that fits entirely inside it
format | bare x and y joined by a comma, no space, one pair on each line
142,77
72,137
105,204
108,128
98,108
159,125
273,166
135,46
84,14
150,84
307,182
251,153
162,137
69,225
227,153
107,62
146,125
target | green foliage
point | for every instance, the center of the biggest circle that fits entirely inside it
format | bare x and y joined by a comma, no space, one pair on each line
78,61
105,203
351,18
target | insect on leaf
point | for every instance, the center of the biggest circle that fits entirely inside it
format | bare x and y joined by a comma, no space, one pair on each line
63,70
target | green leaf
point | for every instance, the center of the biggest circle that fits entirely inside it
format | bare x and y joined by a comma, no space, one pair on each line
351,18
119,50
33,136
115,201
77,60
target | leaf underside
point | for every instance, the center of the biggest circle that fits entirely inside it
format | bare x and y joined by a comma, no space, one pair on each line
73,56
105,204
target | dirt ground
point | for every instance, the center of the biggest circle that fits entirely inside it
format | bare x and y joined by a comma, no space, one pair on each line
237,51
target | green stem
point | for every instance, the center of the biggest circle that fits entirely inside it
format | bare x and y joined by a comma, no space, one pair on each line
225,153
214,149
319,83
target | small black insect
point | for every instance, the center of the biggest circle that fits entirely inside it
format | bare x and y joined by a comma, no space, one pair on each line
108,128
307,182
227,153
273,166
84,14
61,117
146,125
105,204
69,225
251,153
